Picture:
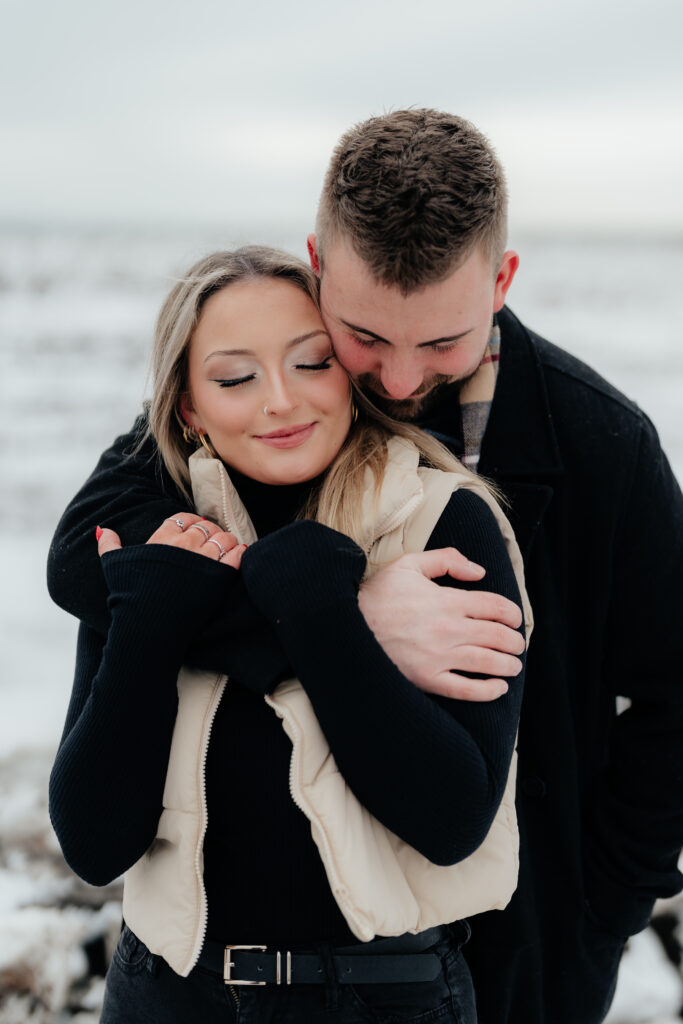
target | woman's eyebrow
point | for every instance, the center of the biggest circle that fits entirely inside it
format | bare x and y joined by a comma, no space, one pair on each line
250,352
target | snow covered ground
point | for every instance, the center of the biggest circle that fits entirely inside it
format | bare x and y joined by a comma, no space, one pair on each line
76,312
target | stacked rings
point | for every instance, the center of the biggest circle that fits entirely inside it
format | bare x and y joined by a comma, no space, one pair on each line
219,546
205,531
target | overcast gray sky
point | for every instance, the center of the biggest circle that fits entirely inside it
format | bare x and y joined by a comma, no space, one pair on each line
166,112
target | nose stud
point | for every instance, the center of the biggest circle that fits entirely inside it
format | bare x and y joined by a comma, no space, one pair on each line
265,410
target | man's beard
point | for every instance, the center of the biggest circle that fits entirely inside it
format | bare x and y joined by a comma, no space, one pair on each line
417,405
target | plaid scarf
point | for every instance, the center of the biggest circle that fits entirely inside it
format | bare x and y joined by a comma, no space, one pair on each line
476,396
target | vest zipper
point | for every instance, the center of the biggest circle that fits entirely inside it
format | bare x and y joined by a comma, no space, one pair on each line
200,934
359,926
397,517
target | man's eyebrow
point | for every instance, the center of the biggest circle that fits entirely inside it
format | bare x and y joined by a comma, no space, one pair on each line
364,330
250,352
423,344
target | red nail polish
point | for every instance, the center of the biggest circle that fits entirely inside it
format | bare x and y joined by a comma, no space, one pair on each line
98,532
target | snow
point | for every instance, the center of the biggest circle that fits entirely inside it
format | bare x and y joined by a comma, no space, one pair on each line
649,987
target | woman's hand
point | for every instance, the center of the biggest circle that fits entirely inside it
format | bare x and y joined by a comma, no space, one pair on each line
189,531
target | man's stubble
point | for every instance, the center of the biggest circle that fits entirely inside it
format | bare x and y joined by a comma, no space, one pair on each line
416,406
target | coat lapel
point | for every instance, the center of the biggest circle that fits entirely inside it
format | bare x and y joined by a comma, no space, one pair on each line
520,451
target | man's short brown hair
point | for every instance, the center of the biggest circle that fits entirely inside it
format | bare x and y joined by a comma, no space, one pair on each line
414,192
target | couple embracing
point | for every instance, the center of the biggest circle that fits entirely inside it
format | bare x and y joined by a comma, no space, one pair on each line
302,675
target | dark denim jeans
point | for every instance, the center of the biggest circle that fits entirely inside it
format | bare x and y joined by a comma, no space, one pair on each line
142,989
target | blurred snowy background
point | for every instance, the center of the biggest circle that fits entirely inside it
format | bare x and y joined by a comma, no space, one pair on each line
137,138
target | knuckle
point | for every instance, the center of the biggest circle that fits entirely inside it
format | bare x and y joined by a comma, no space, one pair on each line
474,659
504,639
464,659
468,691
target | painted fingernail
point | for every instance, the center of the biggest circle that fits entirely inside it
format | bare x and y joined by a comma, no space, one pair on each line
98,532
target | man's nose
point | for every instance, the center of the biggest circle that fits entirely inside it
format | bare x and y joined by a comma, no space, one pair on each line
400,378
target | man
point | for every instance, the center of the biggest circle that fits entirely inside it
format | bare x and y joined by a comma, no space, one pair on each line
410,249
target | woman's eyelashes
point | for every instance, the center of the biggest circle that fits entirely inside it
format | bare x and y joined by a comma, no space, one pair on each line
234,382
324,365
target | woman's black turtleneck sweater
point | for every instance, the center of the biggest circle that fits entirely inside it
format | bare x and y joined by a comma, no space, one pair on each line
433,770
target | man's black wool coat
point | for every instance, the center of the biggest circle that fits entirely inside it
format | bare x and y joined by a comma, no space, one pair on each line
599,519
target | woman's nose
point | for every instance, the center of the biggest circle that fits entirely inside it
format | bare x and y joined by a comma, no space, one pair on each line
280,399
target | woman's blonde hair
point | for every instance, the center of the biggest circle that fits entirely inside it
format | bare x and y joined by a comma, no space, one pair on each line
337,502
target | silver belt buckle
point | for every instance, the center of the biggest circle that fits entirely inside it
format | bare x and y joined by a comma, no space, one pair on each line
228,964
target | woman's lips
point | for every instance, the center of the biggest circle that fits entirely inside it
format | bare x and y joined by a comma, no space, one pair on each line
288,437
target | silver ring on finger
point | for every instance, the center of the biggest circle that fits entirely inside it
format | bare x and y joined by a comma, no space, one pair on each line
178,522
205,531
219,546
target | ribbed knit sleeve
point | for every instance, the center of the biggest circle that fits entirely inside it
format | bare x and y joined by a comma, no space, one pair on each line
240,642
107,782
432,770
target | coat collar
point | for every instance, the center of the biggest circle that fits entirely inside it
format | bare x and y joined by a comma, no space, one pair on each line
216,497
520,439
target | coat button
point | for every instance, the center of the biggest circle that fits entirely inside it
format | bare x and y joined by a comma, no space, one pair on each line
533,786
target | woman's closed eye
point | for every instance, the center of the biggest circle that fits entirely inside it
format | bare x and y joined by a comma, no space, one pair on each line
234,382
324,365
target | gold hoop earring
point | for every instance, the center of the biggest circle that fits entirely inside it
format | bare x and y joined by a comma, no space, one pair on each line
354,412
190,435
204,439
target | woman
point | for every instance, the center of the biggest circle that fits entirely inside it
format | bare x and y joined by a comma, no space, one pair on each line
374,810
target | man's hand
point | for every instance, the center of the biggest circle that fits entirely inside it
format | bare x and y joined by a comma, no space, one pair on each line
432,633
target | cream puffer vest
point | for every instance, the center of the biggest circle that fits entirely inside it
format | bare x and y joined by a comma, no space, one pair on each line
382,885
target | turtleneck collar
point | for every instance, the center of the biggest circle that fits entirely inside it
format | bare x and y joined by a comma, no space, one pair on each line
270,506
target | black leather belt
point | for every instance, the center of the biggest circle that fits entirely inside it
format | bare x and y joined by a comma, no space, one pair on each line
399,959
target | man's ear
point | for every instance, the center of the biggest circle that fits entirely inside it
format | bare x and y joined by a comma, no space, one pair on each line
506,272
313,253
